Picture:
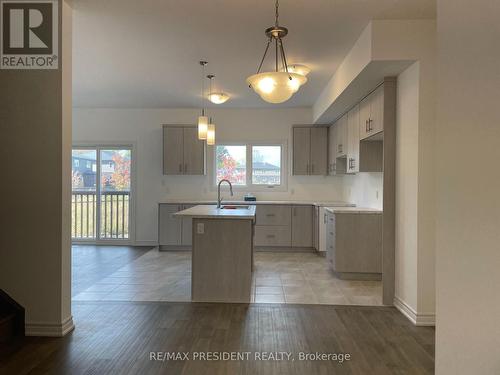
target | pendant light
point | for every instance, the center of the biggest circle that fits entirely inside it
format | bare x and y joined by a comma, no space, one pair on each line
211,125
217,97
277,86
203,119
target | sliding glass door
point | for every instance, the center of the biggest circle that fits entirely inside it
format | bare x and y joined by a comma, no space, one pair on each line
101,193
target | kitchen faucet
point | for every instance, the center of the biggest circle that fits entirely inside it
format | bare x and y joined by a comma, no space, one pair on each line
219,199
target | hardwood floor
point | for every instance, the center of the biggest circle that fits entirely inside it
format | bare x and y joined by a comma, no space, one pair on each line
117,338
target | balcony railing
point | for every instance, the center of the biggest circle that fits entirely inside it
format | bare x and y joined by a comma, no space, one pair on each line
114,215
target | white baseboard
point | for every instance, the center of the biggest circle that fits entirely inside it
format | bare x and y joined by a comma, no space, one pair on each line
419,319
49,329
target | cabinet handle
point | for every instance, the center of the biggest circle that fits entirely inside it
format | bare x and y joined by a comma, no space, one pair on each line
180,167
185,167
324,218
270,215
366,126
270,236
307,169
312,168
370,125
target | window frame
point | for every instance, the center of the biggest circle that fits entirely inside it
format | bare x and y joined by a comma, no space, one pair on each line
249,186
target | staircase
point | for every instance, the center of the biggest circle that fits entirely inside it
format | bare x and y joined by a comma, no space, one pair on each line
11,322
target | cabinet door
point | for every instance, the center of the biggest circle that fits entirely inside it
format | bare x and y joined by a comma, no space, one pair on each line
187,225
194,153
376,111
341,136
301,150
364,117
169,226
273,215
173,153
319,151
353,140
302,226
332,152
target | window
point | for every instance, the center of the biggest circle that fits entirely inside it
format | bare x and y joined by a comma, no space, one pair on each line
231,164
266,165
256,166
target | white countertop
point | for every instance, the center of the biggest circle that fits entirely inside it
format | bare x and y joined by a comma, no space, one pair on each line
353,210
212,212
290,202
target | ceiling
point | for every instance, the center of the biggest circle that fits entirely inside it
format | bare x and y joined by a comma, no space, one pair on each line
145,53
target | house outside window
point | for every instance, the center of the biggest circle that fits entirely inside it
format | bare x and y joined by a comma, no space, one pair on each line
251,166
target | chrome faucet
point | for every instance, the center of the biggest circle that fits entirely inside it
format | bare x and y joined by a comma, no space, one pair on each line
219,199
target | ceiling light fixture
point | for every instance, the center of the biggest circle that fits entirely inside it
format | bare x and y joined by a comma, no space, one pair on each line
211,125
203,119
277,86
217,97
299,69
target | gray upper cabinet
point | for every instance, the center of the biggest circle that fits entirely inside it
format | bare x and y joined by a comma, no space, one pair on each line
310,149
319,151
173,150
332,152
371,112
302,226
301,150
194,152
353,140
341,138
183,152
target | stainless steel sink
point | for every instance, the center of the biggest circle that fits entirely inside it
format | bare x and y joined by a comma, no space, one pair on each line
234,207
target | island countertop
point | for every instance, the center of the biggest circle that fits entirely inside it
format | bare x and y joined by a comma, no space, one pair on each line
212,212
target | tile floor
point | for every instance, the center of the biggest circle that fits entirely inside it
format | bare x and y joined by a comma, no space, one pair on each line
284,277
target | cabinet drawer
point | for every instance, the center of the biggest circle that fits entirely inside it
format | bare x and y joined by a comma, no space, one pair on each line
272,236
273,215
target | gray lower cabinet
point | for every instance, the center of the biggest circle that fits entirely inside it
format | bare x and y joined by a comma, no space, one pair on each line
302,226
354,245
276,226
173,232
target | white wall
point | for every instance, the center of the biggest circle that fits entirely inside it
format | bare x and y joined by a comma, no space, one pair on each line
468,187
143,127
35,246
407,186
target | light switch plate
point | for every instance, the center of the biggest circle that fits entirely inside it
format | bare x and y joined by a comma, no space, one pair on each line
200,228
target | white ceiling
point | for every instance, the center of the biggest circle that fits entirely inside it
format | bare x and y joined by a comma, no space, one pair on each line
145,53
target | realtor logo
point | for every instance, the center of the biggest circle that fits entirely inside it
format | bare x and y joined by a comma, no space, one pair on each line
29,34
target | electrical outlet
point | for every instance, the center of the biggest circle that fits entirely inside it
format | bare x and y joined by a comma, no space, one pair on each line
200,228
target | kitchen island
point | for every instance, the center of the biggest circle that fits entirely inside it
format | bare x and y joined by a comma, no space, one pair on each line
222,252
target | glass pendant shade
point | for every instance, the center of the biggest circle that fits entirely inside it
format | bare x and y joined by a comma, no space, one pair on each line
299,69
202,127
218,97
211,134
276,87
